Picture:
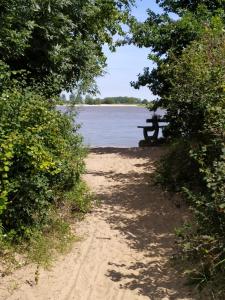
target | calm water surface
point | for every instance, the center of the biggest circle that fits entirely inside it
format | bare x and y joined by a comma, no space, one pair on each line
103,126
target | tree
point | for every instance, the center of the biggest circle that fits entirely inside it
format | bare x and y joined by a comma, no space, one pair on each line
60,42
164,35
188,79
145,101
47,46
196,85
75,98
181,6
196,165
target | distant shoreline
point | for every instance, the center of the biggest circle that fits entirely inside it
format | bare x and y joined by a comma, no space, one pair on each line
104,105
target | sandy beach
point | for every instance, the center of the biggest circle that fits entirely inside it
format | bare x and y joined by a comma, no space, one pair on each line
125,243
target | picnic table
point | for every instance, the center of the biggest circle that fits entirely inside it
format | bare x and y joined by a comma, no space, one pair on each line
157,124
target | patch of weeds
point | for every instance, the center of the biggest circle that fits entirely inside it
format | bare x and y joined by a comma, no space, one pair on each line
80,199
40,246
9,257
43,247
195,258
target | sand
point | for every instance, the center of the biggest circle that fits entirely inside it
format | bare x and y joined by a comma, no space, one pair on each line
126,242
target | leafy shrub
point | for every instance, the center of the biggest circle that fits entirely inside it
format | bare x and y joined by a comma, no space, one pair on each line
41,155
55,237
176,169
196,110
79,198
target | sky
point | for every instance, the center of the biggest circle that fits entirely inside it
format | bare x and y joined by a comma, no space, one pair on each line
126,63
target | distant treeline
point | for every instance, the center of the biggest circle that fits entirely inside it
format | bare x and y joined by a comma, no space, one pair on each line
108,100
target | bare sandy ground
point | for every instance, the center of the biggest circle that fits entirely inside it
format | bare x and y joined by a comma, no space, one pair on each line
126,244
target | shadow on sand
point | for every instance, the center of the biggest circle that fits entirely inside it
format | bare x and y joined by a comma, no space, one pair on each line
146,219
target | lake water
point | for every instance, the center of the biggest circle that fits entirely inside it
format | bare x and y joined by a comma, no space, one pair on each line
113,126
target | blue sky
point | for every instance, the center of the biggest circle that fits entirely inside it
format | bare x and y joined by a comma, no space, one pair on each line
126,63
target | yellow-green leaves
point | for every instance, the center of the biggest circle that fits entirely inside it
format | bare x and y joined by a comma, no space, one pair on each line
6,156
40,156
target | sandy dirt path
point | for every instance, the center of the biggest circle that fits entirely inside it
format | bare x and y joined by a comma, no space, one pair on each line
126,244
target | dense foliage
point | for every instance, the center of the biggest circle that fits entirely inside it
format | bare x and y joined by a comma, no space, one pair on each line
180,6
40,156
188,78
59,42
197,163
47,47
165,33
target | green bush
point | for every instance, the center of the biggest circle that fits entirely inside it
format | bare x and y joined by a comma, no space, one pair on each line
177,169
196,165
41,156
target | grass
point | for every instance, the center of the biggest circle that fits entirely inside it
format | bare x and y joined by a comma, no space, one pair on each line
41,249
42,246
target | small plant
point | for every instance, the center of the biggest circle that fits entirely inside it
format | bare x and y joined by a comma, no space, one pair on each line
79,199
